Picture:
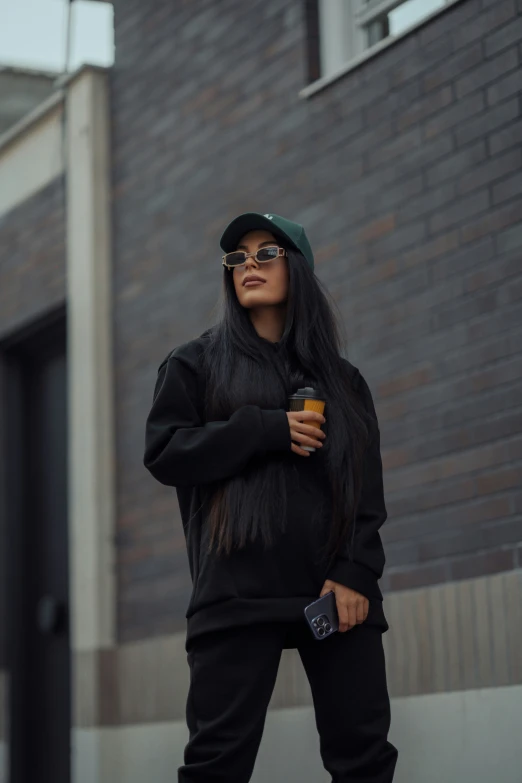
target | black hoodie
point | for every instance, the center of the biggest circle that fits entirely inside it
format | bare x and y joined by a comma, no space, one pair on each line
254,584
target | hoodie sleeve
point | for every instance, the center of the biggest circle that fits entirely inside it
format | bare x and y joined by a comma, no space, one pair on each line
182,450
362,569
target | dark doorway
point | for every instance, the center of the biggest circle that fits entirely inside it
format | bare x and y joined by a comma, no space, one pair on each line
35,459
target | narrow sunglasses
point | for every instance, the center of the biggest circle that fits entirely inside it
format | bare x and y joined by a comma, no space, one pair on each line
264,254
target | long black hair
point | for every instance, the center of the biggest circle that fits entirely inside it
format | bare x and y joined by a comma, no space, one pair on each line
242,368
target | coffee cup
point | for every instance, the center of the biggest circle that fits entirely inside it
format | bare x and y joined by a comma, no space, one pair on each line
308,399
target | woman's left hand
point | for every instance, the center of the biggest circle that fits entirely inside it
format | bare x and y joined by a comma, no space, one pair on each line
352,607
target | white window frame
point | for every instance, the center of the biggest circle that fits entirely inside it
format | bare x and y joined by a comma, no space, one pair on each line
342,35
339,41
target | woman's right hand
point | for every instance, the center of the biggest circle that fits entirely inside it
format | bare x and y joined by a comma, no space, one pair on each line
304,432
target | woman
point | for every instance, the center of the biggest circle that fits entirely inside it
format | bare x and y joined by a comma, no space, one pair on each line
270,526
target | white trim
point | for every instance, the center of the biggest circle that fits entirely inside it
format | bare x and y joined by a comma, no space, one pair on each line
91,443
66,78
91,482
39,113
337,25
32,157
367,54
47,106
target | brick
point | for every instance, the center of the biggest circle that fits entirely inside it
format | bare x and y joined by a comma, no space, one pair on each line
501,12
461,62
458,15
395,195
494,221
487,72
377,228
496,15
398,240
32,258
424,107
409,380
344,130
502,372
426,154
508,188
484,277
458,211
448,543
456,164
504,88
432,249
505,139
509,240
458,542
503,38
503,533
496,323
480,564
517,508
401,553
398,146
418,577
468,107
379,67
431,497
358,145
395,102
426,202
507,423
418,62
489,121
490,171
495,481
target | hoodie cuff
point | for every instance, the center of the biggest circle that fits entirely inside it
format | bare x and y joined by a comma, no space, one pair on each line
356,577
277,430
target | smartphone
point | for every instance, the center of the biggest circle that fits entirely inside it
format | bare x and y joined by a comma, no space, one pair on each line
322,617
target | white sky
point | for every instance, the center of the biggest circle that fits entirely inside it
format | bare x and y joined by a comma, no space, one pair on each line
33,33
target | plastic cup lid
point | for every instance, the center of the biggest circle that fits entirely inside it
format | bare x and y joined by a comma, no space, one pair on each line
308,393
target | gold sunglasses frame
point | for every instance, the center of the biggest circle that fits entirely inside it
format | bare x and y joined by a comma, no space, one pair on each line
281,252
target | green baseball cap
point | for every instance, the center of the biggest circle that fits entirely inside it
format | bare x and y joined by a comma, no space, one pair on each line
279,226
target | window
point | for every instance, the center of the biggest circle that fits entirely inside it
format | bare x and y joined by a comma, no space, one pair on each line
349,28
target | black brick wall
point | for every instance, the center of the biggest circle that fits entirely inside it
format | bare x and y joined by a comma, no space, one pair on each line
32,258
406,174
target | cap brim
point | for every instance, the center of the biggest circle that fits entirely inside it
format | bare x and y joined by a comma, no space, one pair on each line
249,221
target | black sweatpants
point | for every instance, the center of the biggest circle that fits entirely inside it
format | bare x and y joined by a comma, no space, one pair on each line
232,676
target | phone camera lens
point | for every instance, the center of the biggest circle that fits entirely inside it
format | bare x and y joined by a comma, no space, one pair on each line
320,621
328,627
320,631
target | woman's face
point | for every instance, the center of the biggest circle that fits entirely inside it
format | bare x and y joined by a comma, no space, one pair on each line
274,290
